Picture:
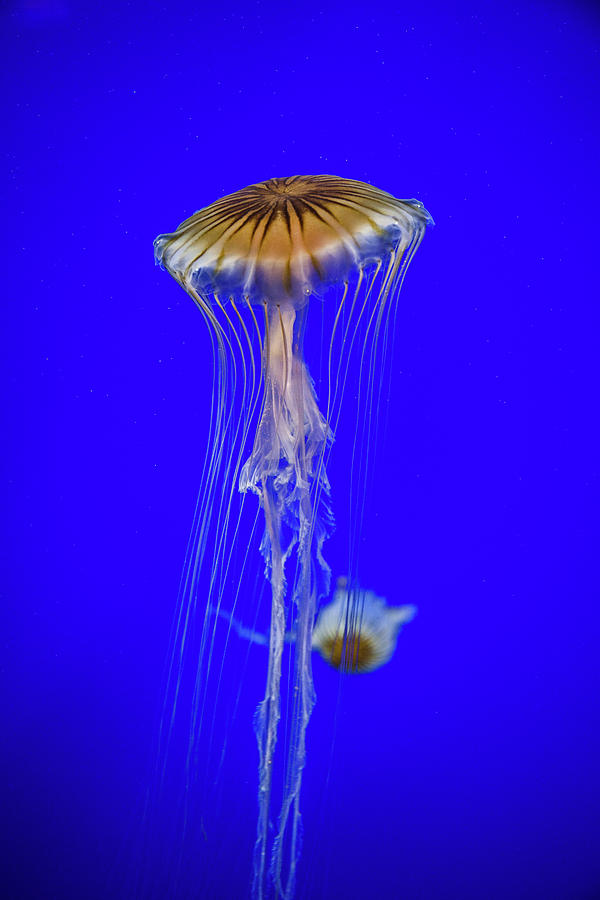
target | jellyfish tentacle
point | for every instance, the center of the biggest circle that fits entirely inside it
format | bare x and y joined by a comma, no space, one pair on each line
313,433
286,844
250,398
212,466
285,462
260,474
268,712
361,446
232,342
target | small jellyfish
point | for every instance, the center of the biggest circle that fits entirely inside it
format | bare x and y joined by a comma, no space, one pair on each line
251,262
357,632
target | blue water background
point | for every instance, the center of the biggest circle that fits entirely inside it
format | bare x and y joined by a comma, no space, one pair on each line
468,768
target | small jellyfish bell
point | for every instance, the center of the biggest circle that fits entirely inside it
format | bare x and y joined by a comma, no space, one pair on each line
358,632
251,261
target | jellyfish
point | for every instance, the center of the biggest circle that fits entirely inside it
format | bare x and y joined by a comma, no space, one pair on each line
253,262
357,632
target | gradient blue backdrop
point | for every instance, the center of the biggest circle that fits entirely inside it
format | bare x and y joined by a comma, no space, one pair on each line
468,767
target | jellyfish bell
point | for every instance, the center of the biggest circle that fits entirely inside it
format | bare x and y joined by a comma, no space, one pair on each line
274,245
358,632
284,239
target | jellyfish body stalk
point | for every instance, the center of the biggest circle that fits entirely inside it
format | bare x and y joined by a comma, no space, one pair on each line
285,469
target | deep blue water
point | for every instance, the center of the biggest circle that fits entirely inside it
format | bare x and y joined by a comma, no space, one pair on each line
468,767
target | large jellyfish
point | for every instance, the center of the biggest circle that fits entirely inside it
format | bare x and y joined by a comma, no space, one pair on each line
252,261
